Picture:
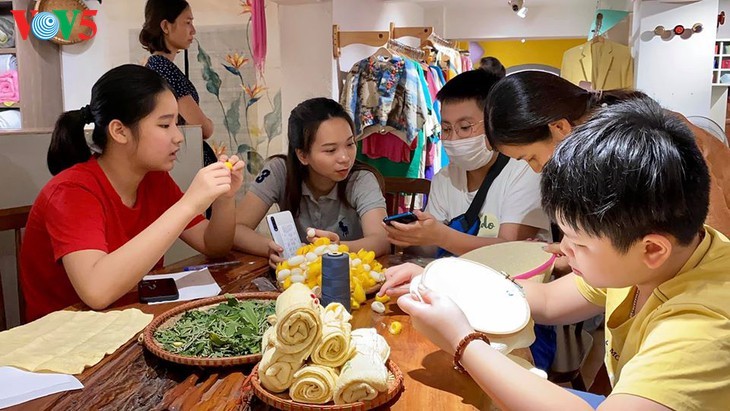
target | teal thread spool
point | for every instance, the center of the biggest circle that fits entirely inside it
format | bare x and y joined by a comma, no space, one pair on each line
336,279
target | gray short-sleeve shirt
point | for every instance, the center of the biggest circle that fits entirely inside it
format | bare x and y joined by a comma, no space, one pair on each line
328,212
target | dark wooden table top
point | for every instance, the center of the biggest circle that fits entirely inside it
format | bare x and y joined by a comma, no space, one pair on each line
134,379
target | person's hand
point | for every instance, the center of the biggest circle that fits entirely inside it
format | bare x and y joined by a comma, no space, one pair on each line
210,183
236,170
334,238
438,318
561,266
275,251
396,277
426,231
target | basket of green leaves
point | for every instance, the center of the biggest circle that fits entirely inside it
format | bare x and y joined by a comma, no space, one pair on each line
213,332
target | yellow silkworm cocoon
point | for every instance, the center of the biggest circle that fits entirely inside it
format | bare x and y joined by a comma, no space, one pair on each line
382,298
395,328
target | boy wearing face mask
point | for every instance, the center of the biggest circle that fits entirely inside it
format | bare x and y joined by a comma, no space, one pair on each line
511,210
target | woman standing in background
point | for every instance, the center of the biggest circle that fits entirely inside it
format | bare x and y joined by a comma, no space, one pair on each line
168,29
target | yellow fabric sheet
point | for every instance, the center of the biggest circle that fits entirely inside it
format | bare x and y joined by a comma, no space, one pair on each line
69,341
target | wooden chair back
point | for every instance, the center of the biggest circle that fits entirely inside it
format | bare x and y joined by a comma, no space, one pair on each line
397,188
13,219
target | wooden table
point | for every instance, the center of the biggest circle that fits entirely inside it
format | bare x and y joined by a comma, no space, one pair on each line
133,379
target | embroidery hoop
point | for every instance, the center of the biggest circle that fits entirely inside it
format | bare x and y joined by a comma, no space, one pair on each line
492,302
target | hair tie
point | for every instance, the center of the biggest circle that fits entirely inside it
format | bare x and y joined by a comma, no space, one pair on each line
87,115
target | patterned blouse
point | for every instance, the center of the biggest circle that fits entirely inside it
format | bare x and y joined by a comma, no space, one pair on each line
181,85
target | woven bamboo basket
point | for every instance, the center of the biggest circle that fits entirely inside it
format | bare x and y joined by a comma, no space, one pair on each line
50,5
168,318
283,402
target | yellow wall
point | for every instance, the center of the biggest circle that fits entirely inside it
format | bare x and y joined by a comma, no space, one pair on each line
514,52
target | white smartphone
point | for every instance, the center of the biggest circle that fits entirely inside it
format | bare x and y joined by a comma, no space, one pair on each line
284,232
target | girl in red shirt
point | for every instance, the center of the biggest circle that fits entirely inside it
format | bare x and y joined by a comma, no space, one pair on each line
105,220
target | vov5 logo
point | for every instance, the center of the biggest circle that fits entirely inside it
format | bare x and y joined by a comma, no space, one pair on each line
45,25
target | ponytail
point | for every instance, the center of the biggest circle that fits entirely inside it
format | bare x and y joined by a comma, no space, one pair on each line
68,142
126,93
604,98
521,106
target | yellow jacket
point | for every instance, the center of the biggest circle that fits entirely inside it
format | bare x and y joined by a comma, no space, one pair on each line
605,64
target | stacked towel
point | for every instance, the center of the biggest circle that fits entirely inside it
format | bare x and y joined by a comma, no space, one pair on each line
365,375
276,369
334,348
367,341
10,119
287,344
298,321
8,62
9,86
7,31
313,384
361,379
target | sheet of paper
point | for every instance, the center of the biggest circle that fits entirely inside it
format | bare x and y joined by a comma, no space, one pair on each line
18,386
190,284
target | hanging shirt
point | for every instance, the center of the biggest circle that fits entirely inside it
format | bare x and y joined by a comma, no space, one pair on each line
326,212
452,58
466,63
386,145
676,350
385,92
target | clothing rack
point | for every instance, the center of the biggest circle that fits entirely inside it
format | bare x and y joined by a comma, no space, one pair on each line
345,38
418,32
436,39
342,39
412,52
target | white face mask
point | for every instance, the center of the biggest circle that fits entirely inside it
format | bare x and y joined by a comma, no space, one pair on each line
469,153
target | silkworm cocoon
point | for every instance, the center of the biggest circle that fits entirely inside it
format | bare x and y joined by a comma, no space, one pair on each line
296,260
378,307
282,274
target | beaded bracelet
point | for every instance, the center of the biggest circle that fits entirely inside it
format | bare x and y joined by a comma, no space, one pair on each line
462,347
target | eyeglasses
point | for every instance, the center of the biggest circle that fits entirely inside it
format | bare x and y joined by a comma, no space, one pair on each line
463,129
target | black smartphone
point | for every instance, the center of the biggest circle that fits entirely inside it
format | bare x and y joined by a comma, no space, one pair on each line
151,291
403,218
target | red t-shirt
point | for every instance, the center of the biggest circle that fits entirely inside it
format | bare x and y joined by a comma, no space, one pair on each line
80,210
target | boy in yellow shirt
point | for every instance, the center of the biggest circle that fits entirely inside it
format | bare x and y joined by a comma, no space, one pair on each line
630,190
